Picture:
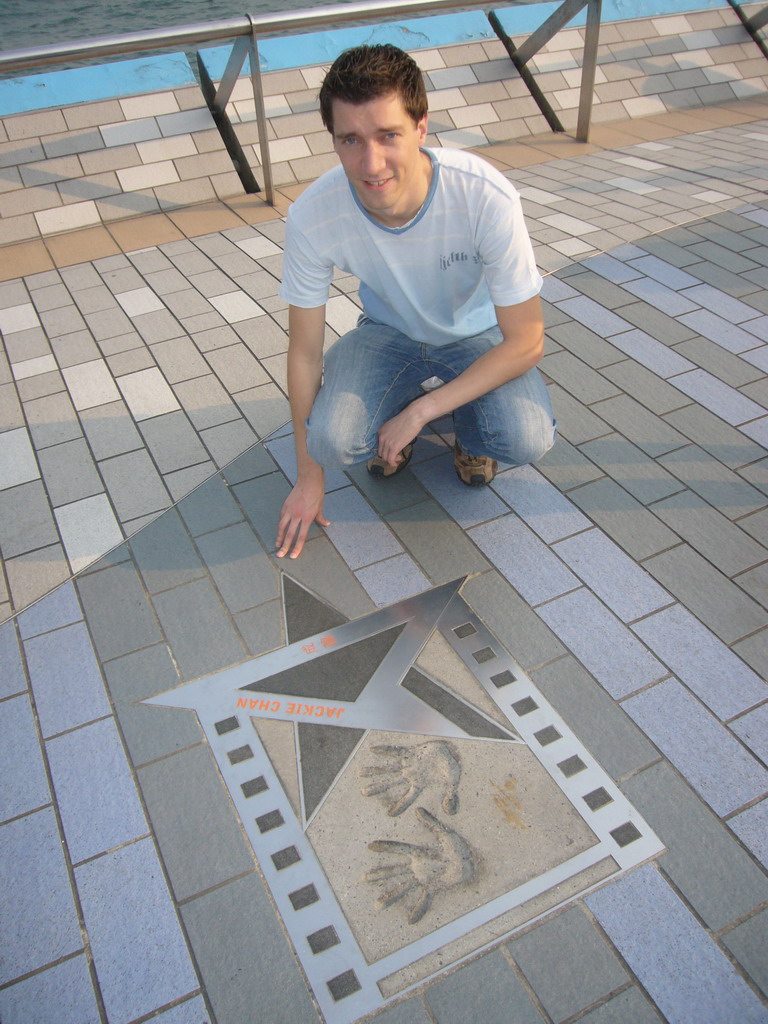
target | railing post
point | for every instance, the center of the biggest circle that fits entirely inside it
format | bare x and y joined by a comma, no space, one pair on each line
591,38
261,116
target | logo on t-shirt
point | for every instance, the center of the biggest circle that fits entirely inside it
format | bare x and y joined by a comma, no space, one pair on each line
456,257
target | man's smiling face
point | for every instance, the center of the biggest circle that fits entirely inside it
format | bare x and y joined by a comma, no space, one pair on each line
378,144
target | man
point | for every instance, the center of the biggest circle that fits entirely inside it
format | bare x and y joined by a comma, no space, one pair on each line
449,289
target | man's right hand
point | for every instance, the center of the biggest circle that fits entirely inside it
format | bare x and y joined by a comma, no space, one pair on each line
302,507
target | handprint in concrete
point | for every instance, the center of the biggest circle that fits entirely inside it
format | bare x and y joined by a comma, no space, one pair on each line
405,772
424,871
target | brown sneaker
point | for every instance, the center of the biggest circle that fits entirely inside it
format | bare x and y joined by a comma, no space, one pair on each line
474,470
378,467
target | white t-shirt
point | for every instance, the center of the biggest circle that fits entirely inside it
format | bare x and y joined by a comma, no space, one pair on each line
436,279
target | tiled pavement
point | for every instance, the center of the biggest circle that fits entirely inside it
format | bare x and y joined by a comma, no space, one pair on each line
626,574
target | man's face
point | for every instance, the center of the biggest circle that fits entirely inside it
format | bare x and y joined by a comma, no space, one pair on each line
378,145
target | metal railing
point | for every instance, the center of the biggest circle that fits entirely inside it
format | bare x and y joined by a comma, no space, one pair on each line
248,29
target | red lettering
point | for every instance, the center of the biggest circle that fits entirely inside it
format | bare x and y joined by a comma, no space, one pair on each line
328,641
242,702
291,709
253,704
309,648
263,705
319,711
275,705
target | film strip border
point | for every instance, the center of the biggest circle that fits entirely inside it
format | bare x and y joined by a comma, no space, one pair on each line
625,835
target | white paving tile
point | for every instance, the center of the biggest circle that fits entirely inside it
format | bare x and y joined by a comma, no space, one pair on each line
570,225
90,384
519,555
357,531
33,367
603,644
543,507
18,464
393,580
622,584
18,318
147,393
341,314
89,529
702,661
258,247
236,306
720,398
138,301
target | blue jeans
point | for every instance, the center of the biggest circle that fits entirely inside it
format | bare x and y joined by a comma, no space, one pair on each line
374,371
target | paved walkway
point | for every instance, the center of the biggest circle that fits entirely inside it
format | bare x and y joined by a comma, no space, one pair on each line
580,812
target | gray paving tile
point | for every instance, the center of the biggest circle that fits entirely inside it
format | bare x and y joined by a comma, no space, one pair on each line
602,643
529,565
411,1011
240,567
624,586
575,423
120,892
12,679
595,717
93,824
69,472
118,613
660,297
674,959
754,650
165,555
251,464
393,579
707,476
486,989
65,679
720,604
25,784
751,826
110,430
239,918
36,573
706,754
60,608
703,861
186,800
748,943
650,433
227,441
723,305
566,467
193,1011
26,519
134,485
721,330
568,965
578,379
61,995
408,487
632,468
628,1007
719,440
441,549
710,533
589,347
753,730
209,507
623,519
149,732
645,386
35,893
201,636
723,364
52,420
261,627
663,328
172,441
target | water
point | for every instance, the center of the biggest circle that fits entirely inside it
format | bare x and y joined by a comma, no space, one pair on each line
43,22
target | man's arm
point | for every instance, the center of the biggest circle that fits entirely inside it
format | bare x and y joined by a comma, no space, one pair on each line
304,505
522,346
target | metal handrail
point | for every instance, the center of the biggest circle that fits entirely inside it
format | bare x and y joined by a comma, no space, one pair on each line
247,31
263,25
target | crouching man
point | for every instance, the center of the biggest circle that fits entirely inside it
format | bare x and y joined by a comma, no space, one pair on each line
448,285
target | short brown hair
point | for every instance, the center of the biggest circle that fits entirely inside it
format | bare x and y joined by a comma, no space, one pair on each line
369,72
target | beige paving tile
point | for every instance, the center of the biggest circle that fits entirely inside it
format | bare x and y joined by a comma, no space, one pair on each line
81,246
27,126
203,219
147,176
147,393
134,107
24,259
